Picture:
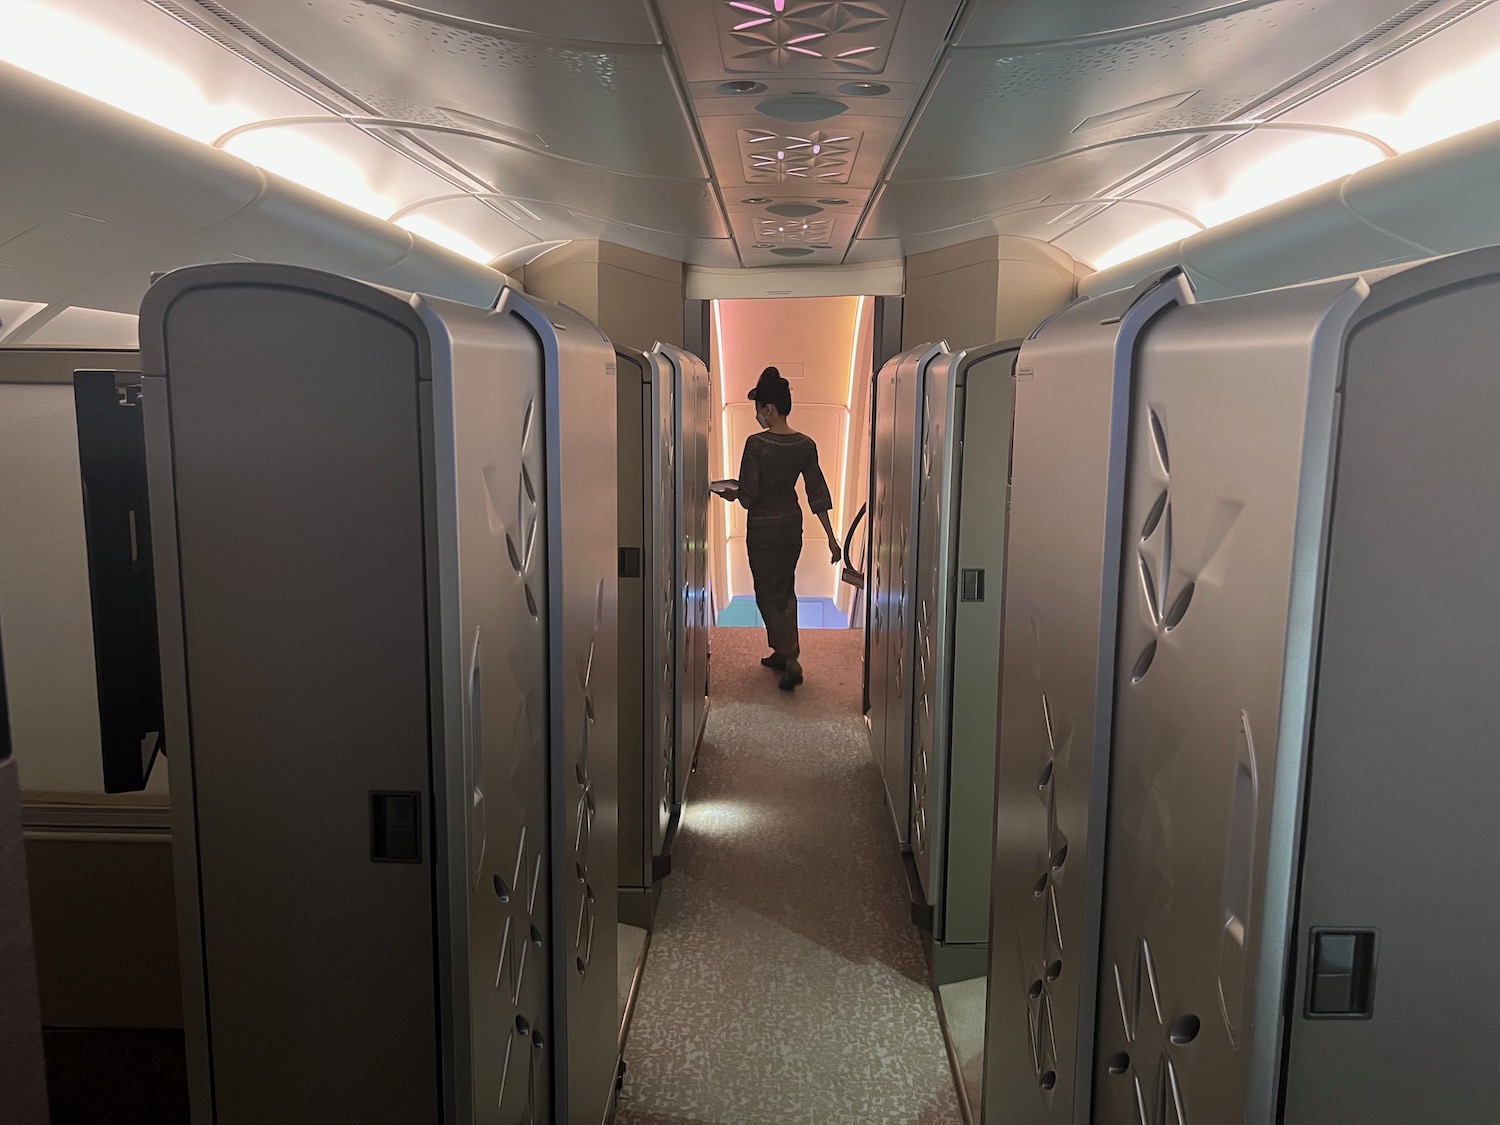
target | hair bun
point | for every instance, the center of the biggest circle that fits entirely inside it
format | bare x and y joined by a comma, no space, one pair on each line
771,378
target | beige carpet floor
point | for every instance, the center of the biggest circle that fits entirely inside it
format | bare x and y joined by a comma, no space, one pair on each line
785,981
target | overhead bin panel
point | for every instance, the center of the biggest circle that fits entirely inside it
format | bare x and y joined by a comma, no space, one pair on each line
290,224
96,200
88,188
1435,196
388,637
1318,236
1395,210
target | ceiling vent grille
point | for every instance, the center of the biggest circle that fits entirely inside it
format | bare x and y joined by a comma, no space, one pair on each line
1349,62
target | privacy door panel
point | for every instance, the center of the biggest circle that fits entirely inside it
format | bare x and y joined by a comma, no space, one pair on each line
901,569
879,566
584,650
930,702
1401,799
304,604
970,696
661,620
1229,441
692,611
499,478
1057,655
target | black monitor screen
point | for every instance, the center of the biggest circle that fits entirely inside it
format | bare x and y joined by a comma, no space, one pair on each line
117,528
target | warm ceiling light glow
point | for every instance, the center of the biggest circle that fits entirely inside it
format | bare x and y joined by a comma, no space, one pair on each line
314,165
744,7
73,53
1152,238
446,237
1453,103
1291,170
807,38
130,77
751,23
804,51
857,51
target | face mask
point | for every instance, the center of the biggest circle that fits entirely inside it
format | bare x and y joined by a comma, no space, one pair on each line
760,416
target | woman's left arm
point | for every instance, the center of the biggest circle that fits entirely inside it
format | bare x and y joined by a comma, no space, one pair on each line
820,500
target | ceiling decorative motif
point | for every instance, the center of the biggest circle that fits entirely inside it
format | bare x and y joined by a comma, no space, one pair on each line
818,36
822,155
782,232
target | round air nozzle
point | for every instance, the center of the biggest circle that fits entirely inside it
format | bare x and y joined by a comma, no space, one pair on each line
864,89
743,87
801,108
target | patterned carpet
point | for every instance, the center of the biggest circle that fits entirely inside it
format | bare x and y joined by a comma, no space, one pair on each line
785,981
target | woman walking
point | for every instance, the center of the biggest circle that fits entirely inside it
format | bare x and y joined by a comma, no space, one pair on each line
769,468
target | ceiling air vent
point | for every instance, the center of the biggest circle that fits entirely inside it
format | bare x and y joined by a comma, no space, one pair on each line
792,251
794,210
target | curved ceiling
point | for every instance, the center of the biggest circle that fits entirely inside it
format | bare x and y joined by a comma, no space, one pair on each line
705,129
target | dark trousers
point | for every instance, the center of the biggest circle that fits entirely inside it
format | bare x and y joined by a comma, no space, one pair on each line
774,549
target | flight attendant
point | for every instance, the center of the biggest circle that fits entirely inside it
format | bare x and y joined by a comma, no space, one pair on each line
767,487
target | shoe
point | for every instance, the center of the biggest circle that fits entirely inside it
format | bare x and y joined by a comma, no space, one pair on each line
791,677
773,661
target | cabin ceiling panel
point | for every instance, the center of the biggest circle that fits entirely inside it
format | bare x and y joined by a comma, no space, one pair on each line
807,36
675,206
613,22
908,209
754,151
1438,86
845,40
1009,24
802,99
709,103
609,105
995,107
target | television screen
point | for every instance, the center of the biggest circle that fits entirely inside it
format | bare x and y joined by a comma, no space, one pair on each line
122,591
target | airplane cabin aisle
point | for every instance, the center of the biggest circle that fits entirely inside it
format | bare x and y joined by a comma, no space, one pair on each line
785,981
